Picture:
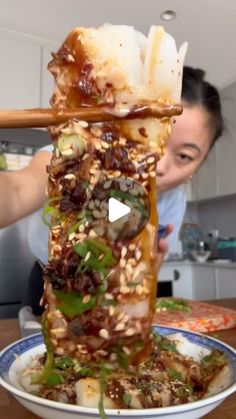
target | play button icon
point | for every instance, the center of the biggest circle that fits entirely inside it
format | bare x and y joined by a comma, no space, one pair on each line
117,210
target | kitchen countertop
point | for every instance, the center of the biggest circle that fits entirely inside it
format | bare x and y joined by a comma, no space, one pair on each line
218,263
11,409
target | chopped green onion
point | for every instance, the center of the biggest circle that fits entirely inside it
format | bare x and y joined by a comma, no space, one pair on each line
48,366
103,385
64,362
174,374
71,304
49,211
164,344
85,371
126,196
184,390
53,379
168,304
100,256
215,358
126,399
75,142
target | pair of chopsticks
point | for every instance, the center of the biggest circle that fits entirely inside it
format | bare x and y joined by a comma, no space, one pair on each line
35,118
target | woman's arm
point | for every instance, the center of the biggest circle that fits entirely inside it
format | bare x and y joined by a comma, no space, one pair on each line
23,192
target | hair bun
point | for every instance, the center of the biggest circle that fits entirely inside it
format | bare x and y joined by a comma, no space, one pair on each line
200,74
195,73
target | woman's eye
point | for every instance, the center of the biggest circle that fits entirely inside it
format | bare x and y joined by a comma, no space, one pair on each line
185,158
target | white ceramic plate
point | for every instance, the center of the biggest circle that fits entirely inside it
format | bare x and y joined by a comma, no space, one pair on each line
19,354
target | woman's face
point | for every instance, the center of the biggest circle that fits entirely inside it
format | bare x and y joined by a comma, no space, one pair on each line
187,147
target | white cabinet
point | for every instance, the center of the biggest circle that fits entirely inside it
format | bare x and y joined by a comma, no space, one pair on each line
180,276
198,281
225,282
204,287
216,176
19,71
183,283
25,81
226,145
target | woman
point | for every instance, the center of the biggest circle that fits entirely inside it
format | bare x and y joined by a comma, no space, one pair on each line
193,135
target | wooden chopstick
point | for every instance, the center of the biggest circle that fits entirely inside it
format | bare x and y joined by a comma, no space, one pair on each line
33,118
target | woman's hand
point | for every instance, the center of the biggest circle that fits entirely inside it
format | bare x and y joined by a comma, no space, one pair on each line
163,246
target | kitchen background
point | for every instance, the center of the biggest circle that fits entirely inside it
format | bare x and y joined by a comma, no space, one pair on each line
30,31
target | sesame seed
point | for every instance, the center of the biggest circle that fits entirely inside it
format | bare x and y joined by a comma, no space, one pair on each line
70,176
81,236
144,175
104,144
122,141
68,152
87,256
152,144
126,350
83,124
98,146
108,296
92,234
124,290
86,299
81,228
101,352
132,246
122,263
103,213
130,332
107,184
111,311
120,326
139,289
104,333
150,160
57,248
129,268
126,318
71,236
152,174
123,251
85,156
96,213
120,316
91,205
138,254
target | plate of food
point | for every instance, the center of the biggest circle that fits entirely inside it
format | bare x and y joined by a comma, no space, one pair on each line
188,375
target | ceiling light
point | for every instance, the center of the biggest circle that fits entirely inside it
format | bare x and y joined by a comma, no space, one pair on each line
168,15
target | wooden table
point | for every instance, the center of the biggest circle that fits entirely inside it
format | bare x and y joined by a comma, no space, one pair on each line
11,409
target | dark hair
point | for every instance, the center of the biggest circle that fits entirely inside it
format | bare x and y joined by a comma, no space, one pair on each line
197,91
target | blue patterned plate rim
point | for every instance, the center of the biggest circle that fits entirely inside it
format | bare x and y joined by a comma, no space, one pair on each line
8,356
